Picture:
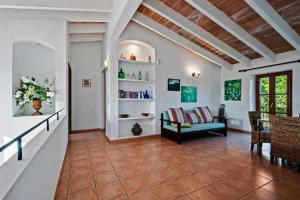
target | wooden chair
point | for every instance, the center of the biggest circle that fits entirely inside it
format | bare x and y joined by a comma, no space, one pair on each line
285,138
264,136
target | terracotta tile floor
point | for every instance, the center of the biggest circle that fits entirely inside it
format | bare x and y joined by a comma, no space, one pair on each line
211,167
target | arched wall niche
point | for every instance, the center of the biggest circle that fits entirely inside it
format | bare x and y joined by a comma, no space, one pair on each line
138,48
32,59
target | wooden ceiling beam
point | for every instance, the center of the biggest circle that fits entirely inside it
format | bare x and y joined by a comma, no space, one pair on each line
268,13
174,37
178,19
216,15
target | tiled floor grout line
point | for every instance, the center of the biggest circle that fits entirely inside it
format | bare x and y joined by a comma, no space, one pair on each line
247,193
92,171
119,178
69,173
276,194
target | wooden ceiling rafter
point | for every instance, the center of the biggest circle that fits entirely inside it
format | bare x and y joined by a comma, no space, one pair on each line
170,25
269,14
219,17
188,26
180,40
202,21
242,15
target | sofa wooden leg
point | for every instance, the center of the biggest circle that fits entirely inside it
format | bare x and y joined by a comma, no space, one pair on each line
225,132
298,165
179,139
252,147
272,159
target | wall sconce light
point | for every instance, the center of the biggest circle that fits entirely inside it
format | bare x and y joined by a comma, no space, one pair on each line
105,66
196,74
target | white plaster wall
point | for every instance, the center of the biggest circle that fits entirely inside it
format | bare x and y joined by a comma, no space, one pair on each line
110,51
51,33
177,62
237,111
31,59
140,50
87,102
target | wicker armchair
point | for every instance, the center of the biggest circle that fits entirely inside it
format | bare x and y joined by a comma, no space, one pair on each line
264,136
285,138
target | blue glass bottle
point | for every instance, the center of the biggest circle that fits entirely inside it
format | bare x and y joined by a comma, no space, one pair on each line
146,95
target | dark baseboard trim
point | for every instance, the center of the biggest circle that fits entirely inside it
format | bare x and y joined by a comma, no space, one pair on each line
239,130
87,130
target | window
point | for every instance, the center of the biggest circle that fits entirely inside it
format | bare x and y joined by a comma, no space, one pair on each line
274,94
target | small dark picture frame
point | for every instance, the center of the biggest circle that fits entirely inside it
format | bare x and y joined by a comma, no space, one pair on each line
86,83
173,84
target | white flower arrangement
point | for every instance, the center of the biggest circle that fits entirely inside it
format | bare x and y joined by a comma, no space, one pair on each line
30,90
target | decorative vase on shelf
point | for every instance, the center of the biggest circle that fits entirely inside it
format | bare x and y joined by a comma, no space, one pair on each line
133,76
122,56
136,129
149,59
121,74
146,95
150,94
128,76
132,57
140,75
141,95
147,76
37,105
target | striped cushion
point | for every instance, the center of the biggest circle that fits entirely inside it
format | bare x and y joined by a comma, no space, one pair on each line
193,118
177,115
204,114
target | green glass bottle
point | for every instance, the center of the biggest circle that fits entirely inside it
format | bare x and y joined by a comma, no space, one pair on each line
121,74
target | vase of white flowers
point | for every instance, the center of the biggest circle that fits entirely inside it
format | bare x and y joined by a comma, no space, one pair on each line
30,92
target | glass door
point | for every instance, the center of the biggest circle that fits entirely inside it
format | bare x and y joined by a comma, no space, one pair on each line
274,94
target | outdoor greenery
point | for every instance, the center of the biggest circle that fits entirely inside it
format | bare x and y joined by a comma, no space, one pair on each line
233,90
280,94
30,90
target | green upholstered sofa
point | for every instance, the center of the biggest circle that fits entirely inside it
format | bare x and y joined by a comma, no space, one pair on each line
219,125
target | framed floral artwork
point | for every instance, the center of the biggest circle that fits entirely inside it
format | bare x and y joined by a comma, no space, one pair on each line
233,90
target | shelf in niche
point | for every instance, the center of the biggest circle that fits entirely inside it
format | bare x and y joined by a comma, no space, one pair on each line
128,99
138,136
135,81
136,62
137,118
